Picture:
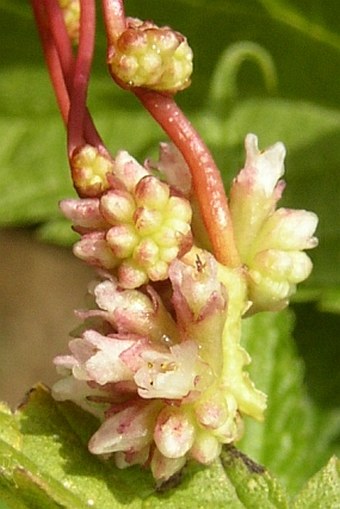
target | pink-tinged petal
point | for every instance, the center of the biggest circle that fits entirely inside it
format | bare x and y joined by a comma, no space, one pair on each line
132,357
263,168
84,213
128,458
128,170
134,312
174,432
105,365
64,364
288,229
163,468
206,448
117,206
131,275
78,391
255,191
173,166
152,193
211,410
195,283
294,266
122,240
93,249
128,430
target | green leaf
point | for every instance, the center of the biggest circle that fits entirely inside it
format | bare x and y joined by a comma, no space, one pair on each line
296,437
323,490
44,463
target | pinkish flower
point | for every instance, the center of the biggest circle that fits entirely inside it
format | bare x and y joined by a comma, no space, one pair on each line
155,376
137,226
270,241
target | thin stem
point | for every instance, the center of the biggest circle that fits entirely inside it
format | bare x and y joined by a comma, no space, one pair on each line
207,182
77,114
52,59
60,37
60,61
114,17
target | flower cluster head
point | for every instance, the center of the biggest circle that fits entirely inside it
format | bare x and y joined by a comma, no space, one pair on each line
159,359
145,55
270,241
136,227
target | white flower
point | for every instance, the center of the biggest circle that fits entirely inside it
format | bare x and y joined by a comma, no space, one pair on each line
269,241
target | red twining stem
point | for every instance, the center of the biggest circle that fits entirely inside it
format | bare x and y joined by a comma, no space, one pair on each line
77,114
60,61
52,58
207,182
114,17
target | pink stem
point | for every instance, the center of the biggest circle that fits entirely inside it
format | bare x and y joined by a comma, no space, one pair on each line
60,37
77,114
114,17
60,61
52,59
207,182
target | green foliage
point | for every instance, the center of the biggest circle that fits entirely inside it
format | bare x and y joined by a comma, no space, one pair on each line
296,438
264,66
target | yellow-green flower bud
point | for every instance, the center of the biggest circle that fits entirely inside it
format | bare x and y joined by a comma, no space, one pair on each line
89,171
145,55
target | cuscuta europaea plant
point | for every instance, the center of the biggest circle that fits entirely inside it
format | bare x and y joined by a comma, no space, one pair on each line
159,359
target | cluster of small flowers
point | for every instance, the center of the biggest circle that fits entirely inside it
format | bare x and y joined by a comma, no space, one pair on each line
136,227
145,55
159,360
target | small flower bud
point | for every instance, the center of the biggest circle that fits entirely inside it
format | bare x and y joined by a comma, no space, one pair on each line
173,166
84,213
145,55
146,253
288,229
211,410
94,249
174,432
128,170
117,206
122,239
130,429
135,312
130,275
89,171
152,192
206,448
147,221
139,225
163,468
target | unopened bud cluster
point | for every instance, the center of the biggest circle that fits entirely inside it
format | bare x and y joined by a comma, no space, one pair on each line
161,364
145,55
136,227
